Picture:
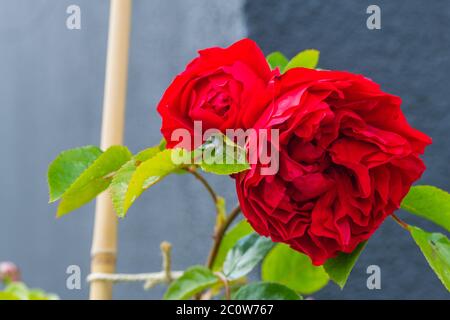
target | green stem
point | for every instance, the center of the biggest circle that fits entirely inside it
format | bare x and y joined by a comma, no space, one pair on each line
205,183
226,285
220,228
218,236
402,223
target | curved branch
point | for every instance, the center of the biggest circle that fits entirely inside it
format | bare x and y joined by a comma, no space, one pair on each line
402,223
218,236
204,182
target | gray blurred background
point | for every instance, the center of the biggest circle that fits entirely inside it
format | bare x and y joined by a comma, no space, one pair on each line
51,91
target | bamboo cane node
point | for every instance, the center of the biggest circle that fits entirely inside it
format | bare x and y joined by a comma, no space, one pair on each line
104,258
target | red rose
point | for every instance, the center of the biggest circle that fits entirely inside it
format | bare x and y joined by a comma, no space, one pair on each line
222,88
347,159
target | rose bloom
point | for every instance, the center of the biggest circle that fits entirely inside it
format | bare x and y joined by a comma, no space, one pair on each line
222,88
347,158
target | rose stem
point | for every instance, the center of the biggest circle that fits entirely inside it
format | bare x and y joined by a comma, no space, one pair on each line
403,224
220,229
225,284
205,183
218,236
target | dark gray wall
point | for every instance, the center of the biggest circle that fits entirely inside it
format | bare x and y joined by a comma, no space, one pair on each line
409,57
51,91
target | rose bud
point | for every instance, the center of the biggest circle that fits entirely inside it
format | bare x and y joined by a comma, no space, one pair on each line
9,272
223,88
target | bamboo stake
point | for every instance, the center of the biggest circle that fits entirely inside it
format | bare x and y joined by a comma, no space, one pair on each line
104,242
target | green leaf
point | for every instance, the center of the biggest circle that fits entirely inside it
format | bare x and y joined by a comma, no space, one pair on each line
95,179
436,249
194,280
147,174
38,294
265,291
430,203
339,268
119,184
8,296
222,156
19,291
305,59
293,269
224,169
277,59
82,196
147,153
162,144
67,167
245,255
240,230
